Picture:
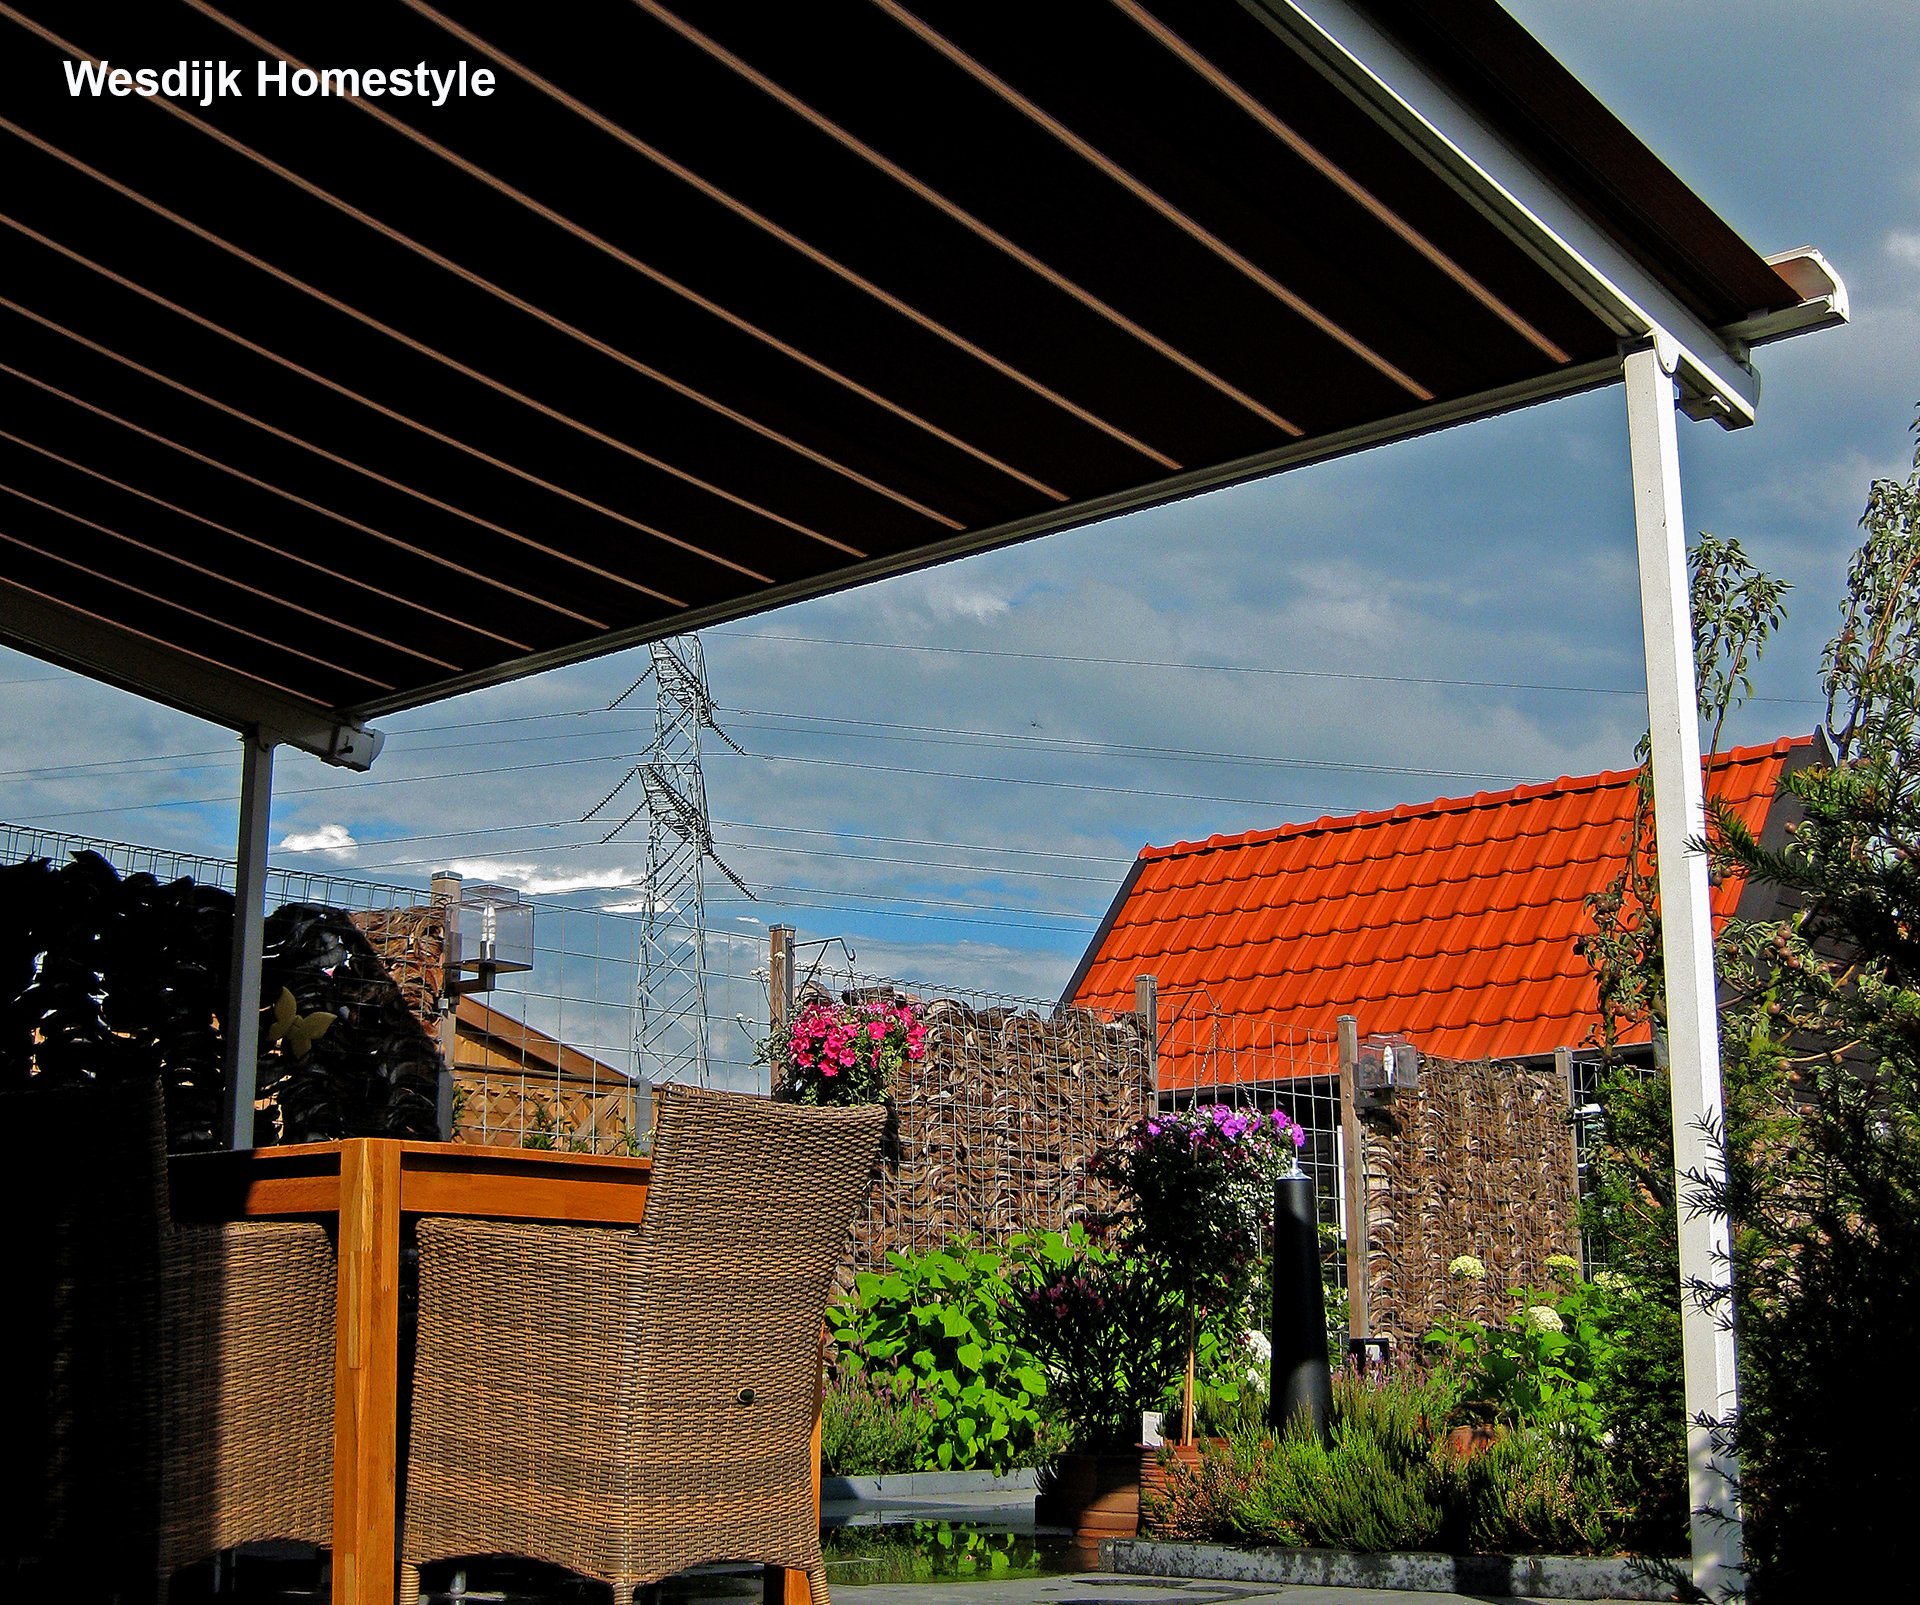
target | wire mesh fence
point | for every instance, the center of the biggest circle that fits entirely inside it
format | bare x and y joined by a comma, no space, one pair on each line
998,1121
996,1126
19,842
546,1058
1209,1055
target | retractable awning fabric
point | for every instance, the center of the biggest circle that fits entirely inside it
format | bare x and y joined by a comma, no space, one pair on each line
313,408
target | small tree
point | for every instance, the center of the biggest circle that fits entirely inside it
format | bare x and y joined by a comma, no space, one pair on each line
1822,1028
1198,1191
1820,1031
1633,1205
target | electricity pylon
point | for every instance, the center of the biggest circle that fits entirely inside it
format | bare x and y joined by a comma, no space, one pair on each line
671,988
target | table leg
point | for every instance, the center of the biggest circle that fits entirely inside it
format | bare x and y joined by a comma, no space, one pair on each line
366,1374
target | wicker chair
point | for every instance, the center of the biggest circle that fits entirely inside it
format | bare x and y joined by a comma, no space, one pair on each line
630,1402
179,1395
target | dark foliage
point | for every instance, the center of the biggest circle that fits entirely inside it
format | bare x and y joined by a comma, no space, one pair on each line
375,1073
1820,1149
117,978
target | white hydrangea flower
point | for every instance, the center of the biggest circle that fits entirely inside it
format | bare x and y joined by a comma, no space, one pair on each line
1563,1264
1545,1318
1259,1346
1467,1269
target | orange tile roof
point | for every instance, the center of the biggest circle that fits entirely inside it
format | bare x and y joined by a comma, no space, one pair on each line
1451,921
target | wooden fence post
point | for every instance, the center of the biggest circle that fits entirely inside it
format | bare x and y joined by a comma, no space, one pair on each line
1146,1008
445,893
1355,1178
779,980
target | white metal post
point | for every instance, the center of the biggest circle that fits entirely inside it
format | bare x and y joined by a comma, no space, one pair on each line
1679,809
249,939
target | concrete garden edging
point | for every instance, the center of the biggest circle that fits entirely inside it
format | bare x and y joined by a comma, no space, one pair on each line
1527,1576
926,1485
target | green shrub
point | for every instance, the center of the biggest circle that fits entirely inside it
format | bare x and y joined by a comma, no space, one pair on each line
1537,1491
1550,1364
1388,1480
1378,1483
864,1430
933,1329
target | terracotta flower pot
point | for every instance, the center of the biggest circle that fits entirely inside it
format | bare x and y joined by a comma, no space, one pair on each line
1096,1492
1157,1460
1476,1437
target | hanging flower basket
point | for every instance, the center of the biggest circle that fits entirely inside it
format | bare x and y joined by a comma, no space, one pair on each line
846,1053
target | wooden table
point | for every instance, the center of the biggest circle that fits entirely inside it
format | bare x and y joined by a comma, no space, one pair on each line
368,1183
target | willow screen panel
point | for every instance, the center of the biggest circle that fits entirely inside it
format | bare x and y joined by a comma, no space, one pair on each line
997,1123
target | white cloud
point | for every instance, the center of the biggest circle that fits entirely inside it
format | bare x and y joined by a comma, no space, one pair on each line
536,882
1456,570
336,841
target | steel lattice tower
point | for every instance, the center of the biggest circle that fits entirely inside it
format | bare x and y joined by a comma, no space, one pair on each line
671,988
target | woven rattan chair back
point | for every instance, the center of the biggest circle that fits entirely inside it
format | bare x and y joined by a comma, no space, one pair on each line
188,1370
85,1191
628,1404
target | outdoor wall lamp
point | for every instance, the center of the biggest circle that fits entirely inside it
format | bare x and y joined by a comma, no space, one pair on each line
492,936
1386,1065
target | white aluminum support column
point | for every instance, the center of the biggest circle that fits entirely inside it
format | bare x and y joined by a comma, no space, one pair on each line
249,940
1687,932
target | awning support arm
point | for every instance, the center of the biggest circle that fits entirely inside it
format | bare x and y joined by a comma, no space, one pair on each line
1679,808
242,1018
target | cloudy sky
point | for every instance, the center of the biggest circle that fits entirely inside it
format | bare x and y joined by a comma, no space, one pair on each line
952,770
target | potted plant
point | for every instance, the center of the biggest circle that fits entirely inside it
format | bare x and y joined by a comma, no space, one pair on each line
1197,1192
1098,1322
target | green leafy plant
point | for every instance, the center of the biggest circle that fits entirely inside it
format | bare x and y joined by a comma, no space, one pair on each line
1548,1364
934,1329
291,1031
542,1130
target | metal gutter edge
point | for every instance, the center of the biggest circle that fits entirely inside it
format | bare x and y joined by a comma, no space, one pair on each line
149,668
1425,420
1823,300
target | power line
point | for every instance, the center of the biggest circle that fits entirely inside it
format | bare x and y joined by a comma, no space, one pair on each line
883,730
349,785
1214,668
924,841
993,870
924,863
1062,785
864,730
169,761
792,896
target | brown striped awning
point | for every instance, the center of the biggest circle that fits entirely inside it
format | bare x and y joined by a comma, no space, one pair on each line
316,407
